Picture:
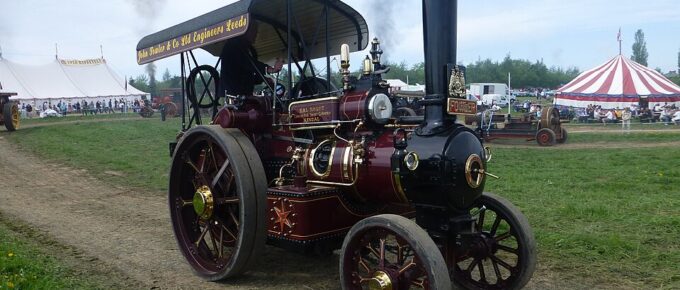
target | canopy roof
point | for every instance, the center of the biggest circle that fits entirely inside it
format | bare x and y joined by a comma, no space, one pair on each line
64,79
619,82
210,31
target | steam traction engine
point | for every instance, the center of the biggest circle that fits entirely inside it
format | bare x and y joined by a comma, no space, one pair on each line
317,168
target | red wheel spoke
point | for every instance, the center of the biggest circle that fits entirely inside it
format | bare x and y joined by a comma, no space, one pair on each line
419,283
497,271
214,243
507,249
362,263
373,251
480,220
407,267
219,173
495,225
192,165
502,263
382,253
185,202
227,200
221,250
229,232
472,265
503,236
200,238
201,160
482,274
233,217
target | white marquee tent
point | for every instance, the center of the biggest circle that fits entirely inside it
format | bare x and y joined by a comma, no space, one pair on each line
67,80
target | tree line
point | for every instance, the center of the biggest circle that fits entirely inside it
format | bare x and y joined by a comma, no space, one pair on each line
524,73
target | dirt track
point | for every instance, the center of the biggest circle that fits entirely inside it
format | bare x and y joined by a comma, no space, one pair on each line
124,237
121,235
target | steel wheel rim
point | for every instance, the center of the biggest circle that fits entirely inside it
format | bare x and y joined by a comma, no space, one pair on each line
400,263
480,266
208,242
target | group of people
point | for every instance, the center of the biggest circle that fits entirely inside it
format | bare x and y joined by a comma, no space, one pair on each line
83,107
668,114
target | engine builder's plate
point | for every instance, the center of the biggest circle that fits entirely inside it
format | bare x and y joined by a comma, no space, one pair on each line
461,107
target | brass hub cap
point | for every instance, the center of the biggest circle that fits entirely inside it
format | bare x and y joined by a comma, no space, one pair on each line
380,281
203,202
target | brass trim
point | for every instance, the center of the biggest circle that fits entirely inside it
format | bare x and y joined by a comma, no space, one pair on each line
322,175
314,127
345,162
474,159
396,184
356,177
487,152
312,101
416,160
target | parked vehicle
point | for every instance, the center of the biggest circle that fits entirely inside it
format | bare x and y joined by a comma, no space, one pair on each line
321,169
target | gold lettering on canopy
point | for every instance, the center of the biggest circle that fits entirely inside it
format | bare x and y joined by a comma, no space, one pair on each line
224,30
93,61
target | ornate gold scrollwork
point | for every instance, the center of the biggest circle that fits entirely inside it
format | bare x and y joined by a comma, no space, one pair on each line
457,84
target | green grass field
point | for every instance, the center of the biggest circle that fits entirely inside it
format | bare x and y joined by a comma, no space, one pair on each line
24,266
607,217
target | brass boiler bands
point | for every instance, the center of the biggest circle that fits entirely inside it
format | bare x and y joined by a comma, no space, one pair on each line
370,180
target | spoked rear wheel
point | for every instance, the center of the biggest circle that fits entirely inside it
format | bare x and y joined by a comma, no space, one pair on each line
391,252
10,112
503,256
216,203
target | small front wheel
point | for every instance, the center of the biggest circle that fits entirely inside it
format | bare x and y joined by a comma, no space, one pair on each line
503,255
391,252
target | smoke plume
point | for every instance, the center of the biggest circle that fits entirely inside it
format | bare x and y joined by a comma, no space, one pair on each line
147,8
148,11
382,16
151,71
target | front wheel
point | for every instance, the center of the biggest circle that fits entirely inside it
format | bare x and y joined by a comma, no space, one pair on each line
391,252
503,256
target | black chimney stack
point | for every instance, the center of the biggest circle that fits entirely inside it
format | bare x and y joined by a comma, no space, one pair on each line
439,31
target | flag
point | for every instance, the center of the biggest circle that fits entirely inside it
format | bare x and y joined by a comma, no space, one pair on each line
618,36
126,84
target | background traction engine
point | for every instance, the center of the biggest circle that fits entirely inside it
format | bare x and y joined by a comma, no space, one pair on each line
10,116
403,198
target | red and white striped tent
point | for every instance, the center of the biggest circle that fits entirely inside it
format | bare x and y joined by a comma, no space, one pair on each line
618,83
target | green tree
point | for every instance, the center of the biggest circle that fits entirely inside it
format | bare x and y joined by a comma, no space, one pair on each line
640,48
141,82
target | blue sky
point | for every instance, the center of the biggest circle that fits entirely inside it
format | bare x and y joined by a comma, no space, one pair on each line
575,33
